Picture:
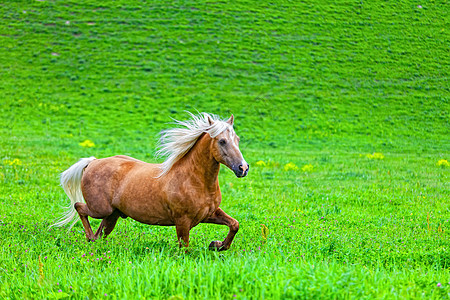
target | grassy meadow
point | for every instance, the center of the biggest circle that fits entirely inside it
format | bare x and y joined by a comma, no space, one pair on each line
343,113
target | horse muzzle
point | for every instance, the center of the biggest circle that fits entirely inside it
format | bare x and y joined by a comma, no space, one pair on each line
241,170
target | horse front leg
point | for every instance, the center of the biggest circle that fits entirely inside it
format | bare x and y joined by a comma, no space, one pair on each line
183,227
221,218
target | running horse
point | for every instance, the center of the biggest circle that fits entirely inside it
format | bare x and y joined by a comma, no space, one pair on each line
183,191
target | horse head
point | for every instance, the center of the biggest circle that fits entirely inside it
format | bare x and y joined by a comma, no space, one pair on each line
225,149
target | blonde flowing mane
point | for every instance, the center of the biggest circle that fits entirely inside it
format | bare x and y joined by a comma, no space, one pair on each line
176,142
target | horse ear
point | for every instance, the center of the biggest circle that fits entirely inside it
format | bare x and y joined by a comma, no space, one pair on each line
210,120
231,120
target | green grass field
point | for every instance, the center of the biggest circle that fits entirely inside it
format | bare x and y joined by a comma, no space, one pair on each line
343,113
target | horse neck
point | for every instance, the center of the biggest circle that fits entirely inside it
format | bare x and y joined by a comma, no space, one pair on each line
199,162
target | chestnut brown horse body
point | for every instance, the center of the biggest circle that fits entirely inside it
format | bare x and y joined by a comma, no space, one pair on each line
182,194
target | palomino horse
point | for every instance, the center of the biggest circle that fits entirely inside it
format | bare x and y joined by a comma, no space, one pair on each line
183,191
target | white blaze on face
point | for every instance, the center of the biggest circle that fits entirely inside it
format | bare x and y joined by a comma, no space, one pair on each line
232,141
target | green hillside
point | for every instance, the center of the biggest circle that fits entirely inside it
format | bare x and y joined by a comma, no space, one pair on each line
317,90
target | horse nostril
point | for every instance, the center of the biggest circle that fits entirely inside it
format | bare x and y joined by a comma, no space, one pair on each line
243,168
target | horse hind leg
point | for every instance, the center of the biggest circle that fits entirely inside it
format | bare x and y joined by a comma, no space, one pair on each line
107,225
110,222
84,213
99,231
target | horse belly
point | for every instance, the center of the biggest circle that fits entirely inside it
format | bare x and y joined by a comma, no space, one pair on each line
144,204
150,215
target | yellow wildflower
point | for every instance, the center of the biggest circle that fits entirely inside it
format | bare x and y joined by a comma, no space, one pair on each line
13,162
87,144
308,168
375,155
264,232
443,163
290,167
260,163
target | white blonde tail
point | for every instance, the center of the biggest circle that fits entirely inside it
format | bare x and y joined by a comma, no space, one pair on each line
71,183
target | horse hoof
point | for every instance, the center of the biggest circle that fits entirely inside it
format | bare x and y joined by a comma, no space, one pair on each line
215,246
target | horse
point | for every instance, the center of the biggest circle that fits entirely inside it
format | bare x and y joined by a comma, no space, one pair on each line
183,191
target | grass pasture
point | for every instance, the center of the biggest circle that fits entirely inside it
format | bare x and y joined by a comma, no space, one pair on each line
343,113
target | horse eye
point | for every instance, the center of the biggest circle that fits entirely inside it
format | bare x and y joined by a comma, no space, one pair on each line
222,142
